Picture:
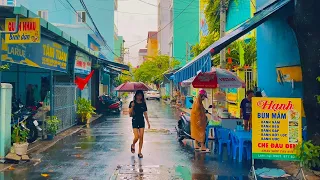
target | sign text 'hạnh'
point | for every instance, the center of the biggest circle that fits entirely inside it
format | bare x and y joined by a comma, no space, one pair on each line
277,129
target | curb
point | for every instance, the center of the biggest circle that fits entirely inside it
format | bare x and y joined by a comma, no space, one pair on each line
60,136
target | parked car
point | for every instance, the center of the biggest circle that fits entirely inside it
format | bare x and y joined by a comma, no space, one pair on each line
109,104
153,95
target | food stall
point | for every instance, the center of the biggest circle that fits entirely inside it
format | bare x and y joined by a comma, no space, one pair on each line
218,79
220,113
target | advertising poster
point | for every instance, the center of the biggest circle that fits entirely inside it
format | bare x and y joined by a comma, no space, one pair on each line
47,54
29,31
82,63
289,74
204,31
276,125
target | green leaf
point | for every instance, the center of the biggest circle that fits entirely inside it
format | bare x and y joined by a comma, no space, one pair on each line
4,67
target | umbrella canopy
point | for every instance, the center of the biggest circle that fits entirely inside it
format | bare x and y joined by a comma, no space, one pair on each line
221,78
187,82
132,86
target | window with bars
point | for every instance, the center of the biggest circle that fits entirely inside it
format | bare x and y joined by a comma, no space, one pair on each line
81,16
43,14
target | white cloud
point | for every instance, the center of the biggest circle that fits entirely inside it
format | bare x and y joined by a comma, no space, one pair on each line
134,27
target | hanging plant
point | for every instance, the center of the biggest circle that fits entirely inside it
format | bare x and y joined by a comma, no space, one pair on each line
4,67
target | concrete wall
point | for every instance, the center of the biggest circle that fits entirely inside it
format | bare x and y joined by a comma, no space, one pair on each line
118,47
164,36
20,81
238,12
142,57
64,17
152,47
185,28
277,47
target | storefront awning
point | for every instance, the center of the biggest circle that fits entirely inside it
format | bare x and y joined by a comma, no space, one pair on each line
202,61
113,64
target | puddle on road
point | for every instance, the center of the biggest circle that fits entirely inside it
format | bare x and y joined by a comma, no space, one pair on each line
164,173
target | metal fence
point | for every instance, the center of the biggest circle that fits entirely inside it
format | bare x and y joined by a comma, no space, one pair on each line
250,83
64,105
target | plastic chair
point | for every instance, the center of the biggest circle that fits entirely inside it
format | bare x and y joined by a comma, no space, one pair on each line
235,147
223,138
208,128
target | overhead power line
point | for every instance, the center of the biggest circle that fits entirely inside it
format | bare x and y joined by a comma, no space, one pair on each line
96,31
165,25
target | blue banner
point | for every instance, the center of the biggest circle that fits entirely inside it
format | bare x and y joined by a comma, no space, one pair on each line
47,54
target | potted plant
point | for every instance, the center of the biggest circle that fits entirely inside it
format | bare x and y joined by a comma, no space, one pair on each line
309,154
19,138
84,110
52,127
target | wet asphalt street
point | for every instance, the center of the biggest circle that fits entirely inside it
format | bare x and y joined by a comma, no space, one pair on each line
103,151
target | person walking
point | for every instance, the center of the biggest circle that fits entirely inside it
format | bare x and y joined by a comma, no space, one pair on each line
138,111
198,122
245,110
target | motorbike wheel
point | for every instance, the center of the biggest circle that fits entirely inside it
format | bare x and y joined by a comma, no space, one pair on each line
33,134
181,138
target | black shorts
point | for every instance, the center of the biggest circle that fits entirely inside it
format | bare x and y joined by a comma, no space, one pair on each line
138,123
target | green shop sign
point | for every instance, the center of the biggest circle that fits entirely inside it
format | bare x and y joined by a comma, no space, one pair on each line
47,54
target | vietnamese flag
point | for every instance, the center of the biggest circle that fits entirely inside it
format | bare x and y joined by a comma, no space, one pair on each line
81,83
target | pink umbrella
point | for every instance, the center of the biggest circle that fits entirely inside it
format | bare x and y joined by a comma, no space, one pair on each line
218,78
132,86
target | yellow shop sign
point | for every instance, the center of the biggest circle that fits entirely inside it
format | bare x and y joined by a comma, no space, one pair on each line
29,31
277,128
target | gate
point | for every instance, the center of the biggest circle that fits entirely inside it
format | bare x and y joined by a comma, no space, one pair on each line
64,105
249,79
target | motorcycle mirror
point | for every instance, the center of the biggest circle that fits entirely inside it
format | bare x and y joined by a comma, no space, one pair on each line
210,106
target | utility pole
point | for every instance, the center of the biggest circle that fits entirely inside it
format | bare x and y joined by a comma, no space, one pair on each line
223,10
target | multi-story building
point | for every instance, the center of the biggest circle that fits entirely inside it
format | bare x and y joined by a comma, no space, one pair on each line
72,18
184,28
164,33
119,49
152,44
142,56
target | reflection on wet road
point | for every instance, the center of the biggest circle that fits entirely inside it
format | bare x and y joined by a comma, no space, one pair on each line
103,151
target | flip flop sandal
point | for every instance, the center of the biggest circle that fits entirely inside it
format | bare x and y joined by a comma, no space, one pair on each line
205,151
140,156
197,149
132,149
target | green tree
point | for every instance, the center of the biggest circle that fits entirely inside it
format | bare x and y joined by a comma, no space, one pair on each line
4,67
125,76
212,14
151,71
250,51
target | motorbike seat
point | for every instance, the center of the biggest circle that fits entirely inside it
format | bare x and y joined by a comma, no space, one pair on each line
187,118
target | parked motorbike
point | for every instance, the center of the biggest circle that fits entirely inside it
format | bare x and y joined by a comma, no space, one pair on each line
183,127
24,118
109,105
